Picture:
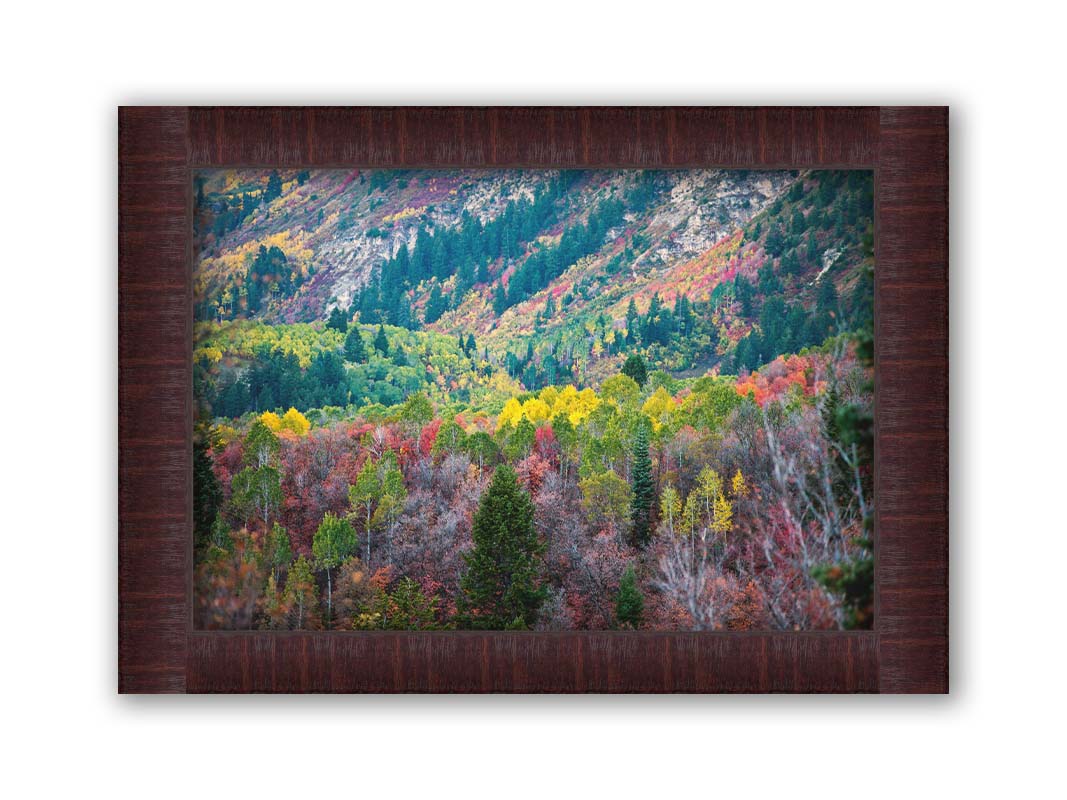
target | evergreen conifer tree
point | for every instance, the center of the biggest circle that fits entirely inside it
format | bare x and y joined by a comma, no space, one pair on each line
632,319
643,490
381,341
630,603
274,187
636,369
435,306
207,493
500,300
354,349
500,590
338,320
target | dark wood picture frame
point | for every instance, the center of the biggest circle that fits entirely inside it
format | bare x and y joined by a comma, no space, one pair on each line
159,651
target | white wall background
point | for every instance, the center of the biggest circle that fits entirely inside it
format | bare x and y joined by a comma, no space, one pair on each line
64,71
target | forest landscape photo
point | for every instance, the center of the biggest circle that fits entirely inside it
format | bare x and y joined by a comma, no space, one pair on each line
533,400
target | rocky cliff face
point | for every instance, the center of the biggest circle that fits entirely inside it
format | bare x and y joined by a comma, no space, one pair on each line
338,226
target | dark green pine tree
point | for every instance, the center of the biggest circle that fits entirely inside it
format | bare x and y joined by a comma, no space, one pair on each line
338,320
274,187
499,590
636,369
629,603
207,493
381,341
435,306
643,490
354,349
464,277
500,300
632,321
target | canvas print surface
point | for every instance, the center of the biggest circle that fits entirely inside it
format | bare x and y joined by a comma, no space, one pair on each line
533,400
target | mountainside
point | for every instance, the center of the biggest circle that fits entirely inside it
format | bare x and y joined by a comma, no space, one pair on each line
534,399
557,274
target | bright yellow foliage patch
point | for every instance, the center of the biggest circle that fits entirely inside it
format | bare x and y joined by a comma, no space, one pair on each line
660,408
292,421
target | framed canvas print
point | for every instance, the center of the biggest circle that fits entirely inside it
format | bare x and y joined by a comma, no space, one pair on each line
533,399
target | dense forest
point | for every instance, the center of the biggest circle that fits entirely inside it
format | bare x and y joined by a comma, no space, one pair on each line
534,400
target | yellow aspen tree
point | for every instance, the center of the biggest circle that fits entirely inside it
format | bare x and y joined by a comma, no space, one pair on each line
738,486
722,518
690,514
511,414
536,410
709,487
271,420
670,504
659,408
296,422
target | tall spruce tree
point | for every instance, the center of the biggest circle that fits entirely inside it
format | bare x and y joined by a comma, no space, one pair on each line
354,349
381,341
435,306
207,493
644,491
499,590
500,300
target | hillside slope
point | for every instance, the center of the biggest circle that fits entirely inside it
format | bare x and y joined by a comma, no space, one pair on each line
556,274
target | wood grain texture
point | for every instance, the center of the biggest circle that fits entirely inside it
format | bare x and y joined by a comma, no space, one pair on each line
155,408
911,400
771,138
465,662
908,650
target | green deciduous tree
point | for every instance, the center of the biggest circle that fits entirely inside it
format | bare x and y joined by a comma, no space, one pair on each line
520,440
451,438
257,492
279,549
261,446
500,589
482,448
378,494
417,410
623,389
406,608
334,541
300,590
606,499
